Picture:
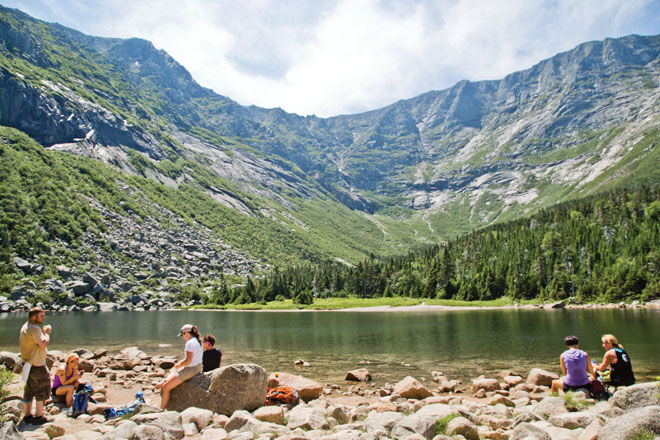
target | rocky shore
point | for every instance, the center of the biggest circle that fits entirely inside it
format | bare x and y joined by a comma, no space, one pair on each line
228,403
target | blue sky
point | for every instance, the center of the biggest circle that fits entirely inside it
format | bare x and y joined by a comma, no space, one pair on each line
330,57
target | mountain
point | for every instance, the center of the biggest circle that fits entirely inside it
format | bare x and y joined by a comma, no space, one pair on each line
299,189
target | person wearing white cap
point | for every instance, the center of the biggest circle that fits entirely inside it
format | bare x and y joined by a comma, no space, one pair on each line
185,369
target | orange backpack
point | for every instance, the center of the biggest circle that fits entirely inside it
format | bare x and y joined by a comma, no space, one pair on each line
282,395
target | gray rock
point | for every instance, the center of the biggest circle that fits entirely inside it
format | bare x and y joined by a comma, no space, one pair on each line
122,431
550,406
382,421
636,396
413,424
148,432
624,426
359,375
223,390
462,426
243,421
169,422
339,413
200,417
572,420
306,417
527,431
537,376
411,388
9,359
9,431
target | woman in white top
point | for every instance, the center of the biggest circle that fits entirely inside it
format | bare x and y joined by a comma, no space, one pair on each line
183,370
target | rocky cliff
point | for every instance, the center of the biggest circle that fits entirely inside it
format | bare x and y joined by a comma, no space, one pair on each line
457,159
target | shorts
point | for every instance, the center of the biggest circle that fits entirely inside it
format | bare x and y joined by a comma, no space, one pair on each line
38,385
567,388
189,372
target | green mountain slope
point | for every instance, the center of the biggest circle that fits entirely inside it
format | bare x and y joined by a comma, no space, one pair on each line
275,188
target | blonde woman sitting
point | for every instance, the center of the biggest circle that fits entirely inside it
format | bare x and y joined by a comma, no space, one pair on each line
67,378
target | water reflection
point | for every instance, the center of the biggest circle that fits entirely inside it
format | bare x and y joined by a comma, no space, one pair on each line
462,344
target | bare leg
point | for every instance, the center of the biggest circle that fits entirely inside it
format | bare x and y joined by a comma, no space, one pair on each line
171,383
557,385
40,409
66,390
27,409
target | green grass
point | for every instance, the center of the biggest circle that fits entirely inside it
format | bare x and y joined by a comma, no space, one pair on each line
440,426
352,303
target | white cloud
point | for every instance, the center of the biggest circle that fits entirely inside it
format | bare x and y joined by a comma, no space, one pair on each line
344,56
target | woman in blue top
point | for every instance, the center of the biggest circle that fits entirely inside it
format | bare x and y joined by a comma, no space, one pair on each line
185,369
575,365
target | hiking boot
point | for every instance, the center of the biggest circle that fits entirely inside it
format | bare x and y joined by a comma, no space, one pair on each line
27,420
39,420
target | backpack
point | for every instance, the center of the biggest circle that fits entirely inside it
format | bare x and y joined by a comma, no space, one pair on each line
80,400
282,395
120,411
598,391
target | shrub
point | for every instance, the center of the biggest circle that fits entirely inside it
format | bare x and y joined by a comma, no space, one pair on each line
440,426
5,378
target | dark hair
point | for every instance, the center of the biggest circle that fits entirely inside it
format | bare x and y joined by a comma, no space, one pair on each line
34,311
571,340
195,332
209,338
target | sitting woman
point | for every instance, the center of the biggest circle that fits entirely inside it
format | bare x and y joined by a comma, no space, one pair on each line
575,365
618,360
185,369
67,378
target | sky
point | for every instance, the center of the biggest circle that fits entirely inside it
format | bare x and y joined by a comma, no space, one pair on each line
331,57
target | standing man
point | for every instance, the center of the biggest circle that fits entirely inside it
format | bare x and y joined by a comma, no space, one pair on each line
33,353
212,356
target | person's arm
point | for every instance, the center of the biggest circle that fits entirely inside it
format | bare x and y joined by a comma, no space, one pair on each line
44,337
563,365
186,361
590,367
607,361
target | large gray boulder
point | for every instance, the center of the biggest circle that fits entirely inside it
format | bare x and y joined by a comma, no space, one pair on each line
624,426
9,359
223,390
636,396
538,376
527,431
168,422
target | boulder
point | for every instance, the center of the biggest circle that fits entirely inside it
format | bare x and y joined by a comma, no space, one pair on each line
9,431
9,359
623,427
385,421
223,390
485,384
270,414
214,434
413,424
307,417
243,421
359,375
527,431
168,422
550,406
411,388
307,389
200,417
572,420
537,376
464,427
636,396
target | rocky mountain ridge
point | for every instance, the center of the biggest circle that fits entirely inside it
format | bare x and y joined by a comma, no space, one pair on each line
451,160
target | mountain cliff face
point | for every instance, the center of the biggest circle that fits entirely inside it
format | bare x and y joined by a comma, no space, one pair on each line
442,163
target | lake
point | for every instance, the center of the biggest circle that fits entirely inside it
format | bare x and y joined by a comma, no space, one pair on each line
460,343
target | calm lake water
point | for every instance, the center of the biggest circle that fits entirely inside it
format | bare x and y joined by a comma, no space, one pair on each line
461,344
